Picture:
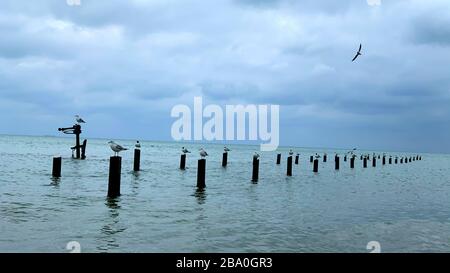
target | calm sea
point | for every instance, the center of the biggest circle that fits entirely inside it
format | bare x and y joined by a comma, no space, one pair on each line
406,208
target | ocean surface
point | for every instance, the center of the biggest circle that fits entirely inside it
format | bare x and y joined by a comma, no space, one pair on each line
406,208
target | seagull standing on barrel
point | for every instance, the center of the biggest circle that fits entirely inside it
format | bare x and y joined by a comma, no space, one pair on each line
358,53
185,151
79,119
116,148
203,153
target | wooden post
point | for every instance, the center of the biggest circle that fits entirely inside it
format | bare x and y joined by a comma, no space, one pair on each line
278,159
345,158
352,162
83,149
296,159
56,169
384,160
324,158
336,162
289,166
115,169
201,173
396,160
183,162
224,159
137,160
365,162
316,166
374,161
255,172
311,159
77,132
390,160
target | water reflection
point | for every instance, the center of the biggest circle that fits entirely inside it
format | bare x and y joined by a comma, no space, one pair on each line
112,228
55,181
200,195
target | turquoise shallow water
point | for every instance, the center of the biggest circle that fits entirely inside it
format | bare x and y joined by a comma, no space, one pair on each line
405,207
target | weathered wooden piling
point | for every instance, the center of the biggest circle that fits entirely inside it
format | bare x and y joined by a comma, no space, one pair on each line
224,159
296,159
401,160
311,159
289,166
384,160
83,149
345,158
183,162
325,158
137,160
56,168
115,169
361,158
201,173
316,166
336,162
365,162
352,162
390,160
410,159
255,172
396,160
278,159
374,161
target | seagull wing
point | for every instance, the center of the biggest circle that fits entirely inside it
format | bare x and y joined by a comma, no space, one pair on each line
360,47
356,56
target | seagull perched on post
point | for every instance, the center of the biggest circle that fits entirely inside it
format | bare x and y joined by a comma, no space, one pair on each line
226,149
203,153
116,148
358,53
256,155
317,156
79,119
137,145
185,151
291,152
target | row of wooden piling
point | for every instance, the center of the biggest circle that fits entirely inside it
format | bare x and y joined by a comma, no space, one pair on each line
115,167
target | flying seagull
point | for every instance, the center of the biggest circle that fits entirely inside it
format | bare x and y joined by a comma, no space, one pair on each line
116,147
358,53
79,119
185,151
203,153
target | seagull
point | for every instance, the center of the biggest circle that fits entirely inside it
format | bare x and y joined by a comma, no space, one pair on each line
317,156
79,120
226,149
116,147
256,155
291,152
358,53
137,145
185,151
203,153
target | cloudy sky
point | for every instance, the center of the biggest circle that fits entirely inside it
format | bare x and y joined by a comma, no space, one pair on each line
123,65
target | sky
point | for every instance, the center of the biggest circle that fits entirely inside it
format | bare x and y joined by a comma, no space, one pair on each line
123,65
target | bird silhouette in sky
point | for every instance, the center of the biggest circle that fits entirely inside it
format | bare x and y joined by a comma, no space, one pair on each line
358,53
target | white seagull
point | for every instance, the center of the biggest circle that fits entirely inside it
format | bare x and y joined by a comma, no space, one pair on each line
358,53
226,149
291,152
256,155
203,153
317,156
185,151
137,145
79,119
116,147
